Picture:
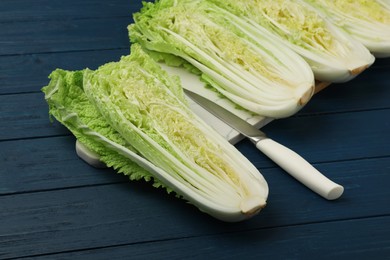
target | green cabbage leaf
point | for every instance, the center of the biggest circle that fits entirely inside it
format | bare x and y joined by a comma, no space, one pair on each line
135,117
333,55
367,21
243,63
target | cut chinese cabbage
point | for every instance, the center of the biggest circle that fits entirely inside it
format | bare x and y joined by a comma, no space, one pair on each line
135,117
244,64
366,20
333,55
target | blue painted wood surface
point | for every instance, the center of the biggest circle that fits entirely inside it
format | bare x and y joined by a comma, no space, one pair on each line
54,206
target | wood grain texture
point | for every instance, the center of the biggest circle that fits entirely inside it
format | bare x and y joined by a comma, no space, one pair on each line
366,92
64,35
330,136
312,241
22,115
45,164
29,73
328,141
54,206
32,108
101,216
25,10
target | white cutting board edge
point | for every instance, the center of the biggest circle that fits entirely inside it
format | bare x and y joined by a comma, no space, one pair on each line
192,82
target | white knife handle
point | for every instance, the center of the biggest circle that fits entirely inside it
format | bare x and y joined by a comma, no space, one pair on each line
300,169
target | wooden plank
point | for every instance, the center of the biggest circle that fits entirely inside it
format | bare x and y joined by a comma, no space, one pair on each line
42,164
370,90
26,116
64,35
46,164
347,239
328,140
29,73
55,206
328,137
132,213
25,10
33,108
380,63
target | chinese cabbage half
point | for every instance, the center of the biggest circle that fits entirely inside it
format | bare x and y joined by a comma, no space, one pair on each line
334,55
241,62
135,117
367,21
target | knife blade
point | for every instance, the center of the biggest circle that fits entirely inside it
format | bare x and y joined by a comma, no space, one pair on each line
286,158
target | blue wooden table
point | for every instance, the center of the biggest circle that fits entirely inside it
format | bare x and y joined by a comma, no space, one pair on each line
55,206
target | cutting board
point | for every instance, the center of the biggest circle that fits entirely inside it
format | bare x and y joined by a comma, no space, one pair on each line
191,82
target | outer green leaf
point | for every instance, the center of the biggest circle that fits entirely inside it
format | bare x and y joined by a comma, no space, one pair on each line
367,21
333,55
244,64
134,115
70,106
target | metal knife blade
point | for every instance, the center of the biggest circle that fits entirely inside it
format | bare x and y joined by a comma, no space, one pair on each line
229,118
287,159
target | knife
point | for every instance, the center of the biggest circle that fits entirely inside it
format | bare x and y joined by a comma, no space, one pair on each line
287,159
